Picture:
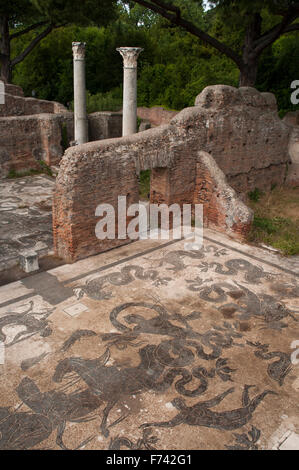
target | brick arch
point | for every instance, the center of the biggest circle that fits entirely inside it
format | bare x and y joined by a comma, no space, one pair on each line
98,173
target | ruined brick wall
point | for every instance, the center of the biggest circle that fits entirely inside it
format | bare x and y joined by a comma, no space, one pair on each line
104,125
13,89
26,140
156,115
96,173
32,130
175,183
17,105
88,177
221,205
21,106
292,118
242,130
239,128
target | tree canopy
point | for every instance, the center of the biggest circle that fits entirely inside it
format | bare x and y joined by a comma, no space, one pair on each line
249,17
173,68
19,17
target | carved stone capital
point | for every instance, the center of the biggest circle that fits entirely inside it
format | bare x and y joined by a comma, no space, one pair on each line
130,56
78,50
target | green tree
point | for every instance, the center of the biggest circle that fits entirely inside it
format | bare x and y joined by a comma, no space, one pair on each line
172,70
20,17
252,19
50,73
278,68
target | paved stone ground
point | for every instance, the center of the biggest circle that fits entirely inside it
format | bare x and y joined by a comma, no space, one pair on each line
153,347
25,217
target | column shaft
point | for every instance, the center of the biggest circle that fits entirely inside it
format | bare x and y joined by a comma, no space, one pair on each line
130,101
130,56
80,115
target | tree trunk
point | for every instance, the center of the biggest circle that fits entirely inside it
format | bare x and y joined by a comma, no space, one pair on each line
248,73
6,74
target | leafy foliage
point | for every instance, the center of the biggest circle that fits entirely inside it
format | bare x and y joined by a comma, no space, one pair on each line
39,18
278,69
76,11
173,68
110,101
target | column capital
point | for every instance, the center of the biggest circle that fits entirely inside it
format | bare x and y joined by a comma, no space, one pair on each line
130,56
78,50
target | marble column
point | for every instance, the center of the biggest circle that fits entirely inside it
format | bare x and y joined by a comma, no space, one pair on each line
130,56
81,123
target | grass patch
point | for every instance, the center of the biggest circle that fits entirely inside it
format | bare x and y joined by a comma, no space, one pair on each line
276,219
255,195
44,169
144,184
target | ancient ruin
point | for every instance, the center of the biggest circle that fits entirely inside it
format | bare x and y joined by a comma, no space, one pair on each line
131,349
229,143
34,131
149,257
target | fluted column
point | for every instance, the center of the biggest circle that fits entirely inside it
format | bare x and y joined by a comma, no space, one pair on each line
130,56
81,125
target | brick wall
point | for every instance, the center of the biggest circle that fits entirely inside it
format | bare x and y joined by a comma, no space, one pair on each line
20,106
156,115
13,89
89,181
32,130
104,125
25,140
242,130
222,208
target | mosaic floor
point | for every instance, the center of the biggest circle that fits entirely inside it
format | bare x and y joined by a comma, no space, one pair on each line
153,347
25,217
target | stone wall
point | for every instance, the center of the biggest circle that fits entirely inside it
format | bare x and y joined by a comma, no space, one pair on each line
17,105
242,130
156,115
88,176
26,140
292,119
104,125
221,206
32,130
13,89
